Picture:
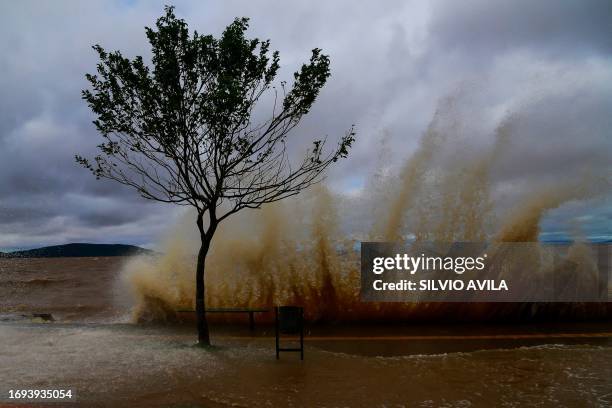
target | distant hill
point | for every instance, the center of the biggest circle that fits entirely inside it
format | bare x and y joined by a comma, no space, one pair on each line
78,250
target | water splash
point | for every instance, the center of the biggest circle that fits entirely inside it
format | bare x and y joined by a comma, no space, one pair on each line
294,252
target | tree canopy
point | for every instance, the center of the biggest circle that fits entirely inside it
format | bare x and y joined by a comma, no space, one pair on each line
181,129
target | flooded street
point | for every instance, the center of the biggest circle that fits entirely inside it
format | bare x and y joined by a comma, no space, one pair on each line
92,348
108,365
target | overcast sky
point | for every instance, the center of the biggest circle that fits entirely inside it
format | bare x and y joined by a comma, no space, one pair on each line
392,62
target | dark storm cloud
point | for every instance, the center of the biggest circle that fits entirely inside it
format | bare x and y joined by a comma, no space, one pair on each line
391,64
554,27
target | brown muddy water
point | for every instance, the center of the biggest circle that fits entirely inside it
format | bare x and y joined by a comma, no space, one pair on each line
93,348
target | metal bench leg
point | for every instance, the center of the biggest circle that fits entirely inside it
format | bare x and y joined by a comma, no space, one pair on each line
251,321
276,328
302,337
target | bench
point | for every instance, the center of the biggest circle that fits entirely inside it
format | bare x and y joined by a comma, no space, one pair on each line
289,320
250,311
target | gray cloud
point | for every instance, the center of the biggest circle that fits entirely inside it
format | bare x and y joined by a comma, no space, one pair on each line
391,64
553,27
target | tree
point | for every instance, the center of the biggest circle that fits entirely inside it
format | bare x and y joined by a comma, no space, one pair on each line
182,128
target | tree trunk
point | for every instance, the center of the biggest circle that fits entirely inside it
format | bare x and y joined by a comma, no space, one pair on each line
205,239
203,336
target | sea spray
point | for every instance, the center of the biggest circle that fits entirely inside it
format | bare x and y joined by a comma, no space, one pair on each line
412,174
293,252
523,224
